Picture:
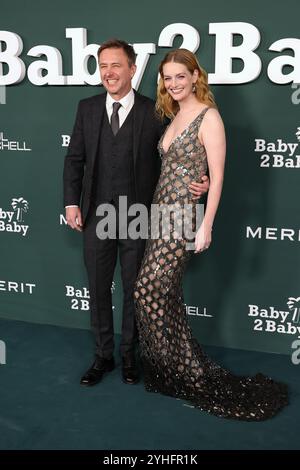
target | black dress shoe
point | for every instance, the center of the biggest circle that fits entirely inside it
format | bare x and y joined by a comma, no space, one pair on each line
130,373
95,373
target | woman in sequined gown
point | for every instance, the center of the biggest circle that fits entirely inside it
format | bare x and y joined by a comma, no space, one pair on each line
173,361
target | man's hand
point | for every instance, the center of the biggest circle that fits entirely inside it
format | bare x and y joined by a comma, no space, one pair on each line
198,189
74,219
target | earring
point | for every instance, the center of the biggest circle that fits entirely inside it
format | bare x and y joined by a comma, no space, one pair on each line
194,88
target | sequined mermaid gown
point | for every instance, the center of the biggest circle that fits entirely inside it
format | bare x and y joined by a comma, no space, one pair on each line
173,361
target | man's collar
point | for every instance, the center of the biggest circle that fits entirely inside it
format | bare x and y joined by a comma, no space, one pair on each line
125,101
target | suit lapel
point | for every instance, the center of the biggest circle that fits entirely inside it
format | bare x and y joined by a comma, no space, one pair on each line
97,116
138,119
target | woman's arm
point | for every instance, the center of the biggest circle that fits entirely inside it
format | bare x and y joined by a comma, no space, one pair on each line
212,135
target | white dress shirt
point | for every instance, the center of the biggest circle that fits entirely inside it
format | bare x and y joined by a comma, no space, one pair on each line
127,103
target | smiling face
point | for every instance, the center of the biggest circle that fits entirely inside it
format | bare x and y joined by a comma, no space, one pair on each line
116,73
178,80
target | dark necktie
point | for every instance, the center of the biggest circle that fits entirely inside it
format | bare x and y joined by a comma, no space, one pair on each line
114,122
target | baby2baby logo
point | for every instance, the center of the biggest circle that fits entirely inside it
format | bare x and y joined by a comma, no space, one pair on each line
278,154
13,220
272,320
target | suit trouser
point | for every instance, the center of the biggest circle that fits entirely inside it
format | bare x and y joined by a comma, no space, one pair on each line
100,257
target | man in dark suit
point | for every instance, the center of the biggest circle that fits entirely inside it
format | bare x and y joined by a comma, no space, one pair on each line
112,153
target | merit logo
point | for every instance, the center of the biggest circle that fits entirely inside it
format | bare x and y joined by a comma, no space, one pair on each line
278,154
273,233
6,144
18,287
13,221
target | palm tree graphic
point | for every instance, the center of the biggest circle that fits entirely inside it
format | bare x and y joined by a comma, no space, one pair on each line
294,304
20,205
298,133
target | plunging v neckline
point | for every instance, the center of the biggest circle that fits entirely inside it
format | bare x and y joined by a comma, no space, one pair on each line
181,133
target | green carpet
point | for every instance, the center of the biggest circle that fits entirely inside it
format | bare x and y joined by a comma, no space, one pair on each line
42,405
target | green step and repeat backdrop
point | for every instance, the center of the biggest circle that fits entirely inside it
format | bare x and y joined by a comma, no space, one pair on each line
244,291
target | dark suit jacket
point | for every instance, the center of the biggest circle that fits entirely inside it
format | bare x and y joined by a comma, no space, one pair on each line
80,159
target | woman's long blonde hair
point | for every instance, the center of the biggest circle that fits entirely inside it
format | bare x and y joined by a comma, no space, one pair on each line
165,105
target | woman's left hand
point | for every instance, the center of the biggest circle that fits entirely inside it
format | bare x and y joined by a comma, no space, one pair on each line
203,238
